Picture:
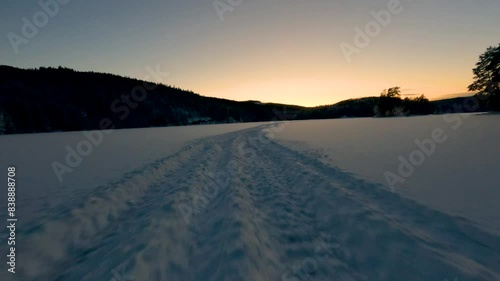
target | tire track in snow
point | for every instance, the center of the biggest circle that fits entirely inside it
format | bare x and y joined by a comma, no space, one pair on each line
263,220
388,222
155,247
58,244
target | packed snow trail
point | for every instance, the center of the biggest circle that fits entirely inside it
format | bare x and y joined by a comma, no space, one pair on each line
239,206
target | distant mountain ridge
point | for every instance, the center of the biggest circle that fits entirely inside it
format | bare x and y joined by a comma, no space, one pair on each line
62,99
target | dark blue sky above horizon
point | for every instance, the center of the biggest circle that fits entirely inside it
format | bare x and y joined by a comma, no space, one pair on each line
270,50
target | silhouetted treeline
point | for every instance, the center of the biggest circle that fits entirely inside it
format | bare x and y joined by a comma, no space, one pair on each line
487,78
390,103
476,103
61,99
362,107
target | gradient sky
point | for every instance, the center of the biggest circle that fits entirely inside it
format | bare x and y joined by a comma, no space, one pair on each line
285,51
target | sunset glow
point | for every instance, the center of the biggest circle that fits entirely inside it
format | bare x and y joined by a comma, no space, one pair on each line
272,51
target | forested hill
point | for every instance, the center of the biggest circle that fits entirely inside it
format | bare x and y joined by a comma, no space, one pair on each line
61,99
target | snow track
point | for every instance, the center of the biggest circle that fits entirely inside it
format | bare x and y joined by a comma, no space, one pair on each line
232,208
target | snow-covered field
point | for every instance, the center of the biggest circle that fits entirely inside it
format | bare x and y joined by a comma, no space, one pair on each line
458,175
305,200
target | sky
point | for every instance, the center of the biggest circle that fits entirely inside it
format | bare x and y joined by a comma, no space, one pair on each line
284,51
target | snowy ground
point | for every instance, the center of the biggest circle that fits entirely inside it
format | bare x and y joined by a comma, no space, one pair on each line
460,176
295,201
